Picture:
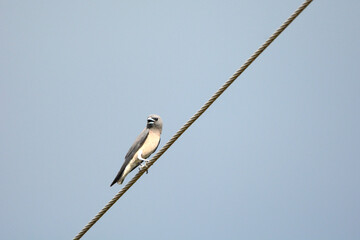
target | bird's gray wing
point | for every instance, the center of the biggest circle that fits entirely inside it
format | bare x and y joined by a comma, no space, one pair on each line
136,145
130,154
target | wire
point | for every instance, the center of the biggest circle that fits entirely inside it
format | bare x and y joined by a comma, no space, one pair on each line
193,119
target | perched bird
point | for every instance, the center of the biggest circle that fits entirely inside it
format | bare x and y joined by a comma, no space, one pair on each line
145,144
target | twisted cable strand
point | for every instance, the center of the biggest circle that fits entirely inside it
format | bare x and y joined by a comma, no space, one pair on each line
193,119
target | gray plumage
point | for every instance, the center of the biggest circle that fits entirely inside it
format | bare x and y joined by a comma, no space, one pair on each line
145,144
133,149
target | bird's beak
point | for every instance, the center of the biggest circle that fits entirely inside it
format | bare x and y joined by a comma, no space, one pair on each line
150,120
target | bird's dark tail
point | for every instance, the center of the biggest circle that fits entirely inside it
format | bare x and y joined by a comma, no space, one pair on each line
117,178
113,183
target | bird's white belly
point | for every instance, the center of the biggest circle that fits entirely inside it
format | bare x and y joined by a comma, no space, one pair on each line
150,144
147,149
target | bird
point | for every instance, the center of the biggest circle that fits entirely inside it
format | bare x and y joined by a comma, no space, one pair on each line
145,145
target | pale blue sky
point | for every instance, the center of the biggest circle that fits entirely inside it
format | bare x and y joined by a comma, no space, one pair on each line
276,157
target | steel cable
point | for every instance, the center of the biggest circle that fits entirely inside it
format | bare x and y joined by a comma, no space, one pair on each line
193,118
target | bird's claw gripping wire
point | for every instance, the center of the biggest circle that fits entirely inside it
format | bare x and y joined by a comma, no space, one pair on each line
142,165
143,161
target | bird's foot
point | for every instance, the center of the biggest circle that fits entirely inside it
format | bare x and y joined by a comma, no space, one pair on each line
142,165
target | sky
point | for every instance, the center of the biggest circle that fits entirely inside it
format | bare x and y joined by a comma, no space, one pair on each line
277,156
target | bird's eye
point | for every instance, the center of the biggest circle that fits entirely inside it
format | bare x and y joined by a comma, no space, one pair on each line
155,118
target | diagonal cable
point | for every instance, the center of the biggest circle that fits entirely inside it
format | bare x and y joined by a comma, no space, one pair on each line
193,119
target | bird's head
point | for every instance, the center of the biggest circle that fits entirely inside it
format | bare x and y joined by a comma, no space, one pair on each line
154,121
